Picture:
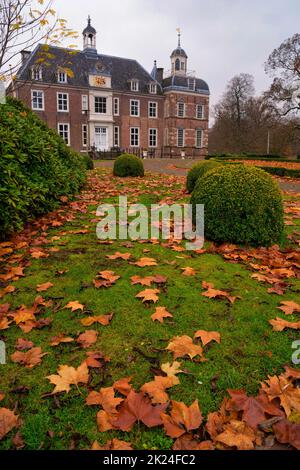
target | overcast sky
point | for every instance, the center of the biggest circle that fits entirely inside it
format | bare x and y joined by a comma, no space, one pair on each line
221,37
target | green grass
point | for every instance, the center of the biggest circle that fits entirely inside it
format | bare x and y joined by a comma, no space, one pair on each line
248,353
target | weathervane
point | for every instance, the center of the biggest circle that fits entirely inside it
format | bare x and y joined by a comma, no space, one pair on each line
179,36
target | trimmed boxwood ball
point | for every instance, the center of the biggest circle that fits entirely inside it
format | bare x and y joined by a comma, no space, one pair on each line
128,165
242,205
197,171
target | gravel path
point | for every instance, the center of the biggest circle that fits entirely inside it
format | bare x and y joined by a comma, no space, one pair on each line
180,168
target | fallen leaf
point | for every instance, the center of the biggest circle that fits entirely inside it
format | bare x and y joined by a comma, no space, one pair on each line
182,419
279,324
87,338
114,444
61,338
123,386
187,271
68,376
23,344
144,262
102,319
289,307
149,295
182,346
118,255
105,398
208,336
8,421
143,281
160,314
74,306
237,434
157,388
44,287
29,359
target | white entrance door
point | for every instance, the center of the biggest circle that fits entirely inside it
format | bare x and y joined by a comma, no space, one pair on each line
101,138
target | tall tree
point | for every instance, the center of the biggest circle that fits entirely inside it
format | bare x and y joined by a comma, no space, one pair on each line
23,25
284,66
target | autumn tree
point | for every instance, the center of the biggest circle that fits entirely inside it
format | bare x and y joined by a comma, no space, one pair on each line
284,66
23,25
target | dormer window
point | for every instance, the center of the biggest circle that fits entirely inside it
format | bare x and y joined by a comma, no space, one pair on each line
62,77
153,88
37,73
134,85
191,84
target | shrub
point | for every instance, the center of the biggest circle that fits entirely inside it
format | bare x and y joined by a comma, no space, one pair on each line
36,167
88,161
242,205
128,165
197,171
279,171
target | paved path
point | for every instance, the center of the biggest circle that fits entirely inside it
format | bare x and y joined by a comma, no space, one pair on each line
168,166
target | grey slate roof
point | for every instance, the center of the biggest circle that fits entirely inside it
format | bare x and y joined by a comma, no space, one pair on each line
83,63
179,52
177,82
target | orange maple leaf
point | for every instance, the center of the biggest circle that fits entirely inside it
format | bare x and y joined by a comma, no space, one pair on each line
160,314
68,376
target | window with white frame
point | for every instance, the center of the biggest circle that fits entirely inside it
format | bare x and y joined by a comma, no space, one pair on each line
199,138
84,102
116,136
62,102
152,137
116,106
100,104
37,73
62,77
192,84
153,88
134,85
37,100
134,108
152,109
134,136
181,109
64,132
180,137
200,111
84,135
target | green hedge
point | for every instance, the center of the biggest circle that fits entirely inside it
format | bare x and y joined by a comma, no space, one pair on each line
228,156
197,171
242,205
281,171
128,165
36,167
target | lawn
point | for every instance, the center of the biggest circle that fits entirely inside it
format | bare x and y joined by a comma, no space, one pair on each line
62,249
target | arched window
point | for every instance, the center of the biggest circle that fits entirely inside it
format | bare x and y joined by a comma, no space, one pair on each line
177,64
91,37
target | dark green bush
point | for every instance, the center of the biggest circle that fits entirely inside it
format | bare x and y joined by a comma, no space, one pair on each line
278,171
88,161
36,167
197,171
245,155
242,205
128,165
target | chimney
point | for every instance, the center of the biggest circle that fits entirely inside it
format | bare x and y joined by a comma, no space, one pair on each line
25,56
160,75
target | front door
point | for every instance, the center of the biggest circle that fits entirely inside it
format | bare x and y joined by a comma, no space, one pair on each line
101,138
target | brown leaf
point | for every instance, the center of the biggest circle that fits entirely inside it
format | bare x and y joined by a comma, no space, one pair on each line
23,344
188,442
7,290
29,359
160,314
109,276
102,319
87,338
138,407
187,271
287,433
213,293
182,346
149,295
279,324
68,376
118,255
182,419
74,306
144,262
143,281
157,389
44,287
208,336
237,434
8,421
123,386
281,388
105,398
289,307
172,370
61,338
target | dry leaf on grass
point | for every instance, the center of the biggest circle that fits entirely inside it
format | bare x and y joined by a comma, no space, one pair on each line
208,336
149,295
160,314
68,376
87,338
29,359
182,346
74,306
8,421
